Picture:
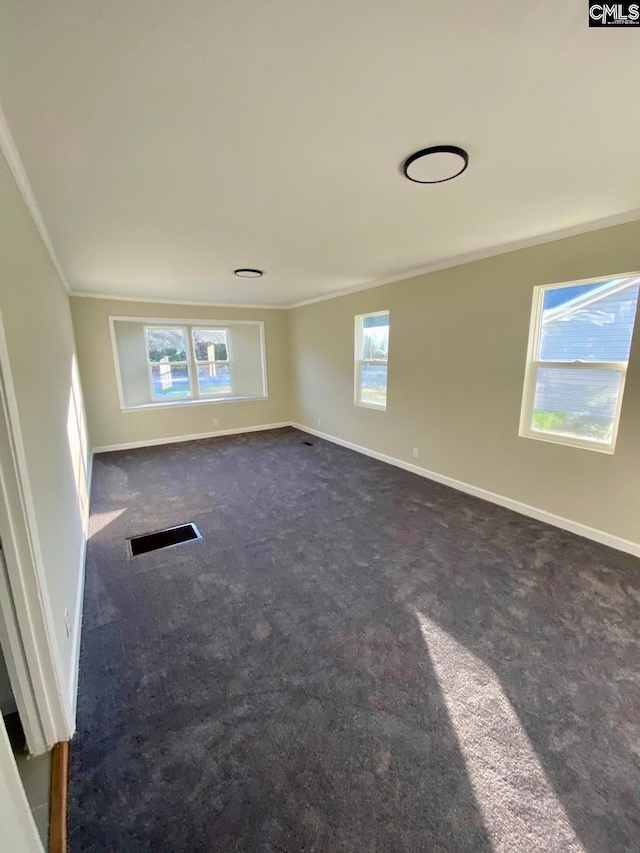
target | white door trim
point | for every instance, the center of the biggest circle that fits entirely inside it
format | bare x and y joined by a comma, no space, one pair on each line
31,650
17,665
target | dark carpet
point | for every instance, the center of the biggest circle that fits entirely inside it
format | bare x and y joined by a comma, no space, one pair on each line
352,658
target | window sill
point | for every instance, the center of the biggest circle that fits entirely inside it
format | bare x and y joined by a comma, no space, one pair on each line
371,406
565,441
177,404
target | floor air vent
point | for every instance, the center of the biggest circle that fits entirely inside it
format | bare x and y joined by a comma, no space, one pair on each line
163,539
308,443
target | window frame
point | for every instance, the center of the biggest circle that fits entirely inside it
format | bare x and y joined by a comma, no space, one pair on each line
359,328
181,322
151,364
533,365
197,363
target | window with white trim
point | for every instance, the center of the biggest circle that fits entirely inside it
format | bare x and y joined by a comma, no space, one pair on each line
177,372
372,353
579,347
161,362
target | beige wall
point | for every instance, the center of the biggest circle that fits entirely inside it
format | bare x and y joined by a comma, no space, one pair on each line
109,426
457,351
41,352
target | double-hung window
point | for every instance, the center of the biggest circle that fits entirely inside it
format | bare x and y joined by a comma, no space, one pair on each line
372,353
183,366
579,348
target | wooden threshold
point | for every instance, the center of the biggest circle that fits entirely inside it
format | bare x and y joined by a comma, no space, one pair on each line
58,799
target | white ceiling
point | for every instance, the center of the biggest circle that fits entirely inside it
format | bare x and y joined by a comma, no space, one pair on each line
169,143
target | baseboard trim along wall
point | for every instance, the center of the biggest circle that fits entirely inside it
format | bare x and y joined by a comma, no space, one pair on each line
576,527
524,509
152,442
74,674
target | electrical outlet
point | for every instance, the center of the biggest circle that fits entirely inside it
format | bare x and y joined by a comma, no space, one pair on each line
216,421
67,621
415,452
319,423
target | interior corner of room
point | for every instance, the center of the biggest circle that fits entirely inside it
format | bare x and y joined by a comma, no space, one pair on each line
319,458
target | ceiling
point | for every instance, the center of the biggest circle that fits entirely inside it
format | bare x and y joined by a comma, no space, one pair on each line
167,143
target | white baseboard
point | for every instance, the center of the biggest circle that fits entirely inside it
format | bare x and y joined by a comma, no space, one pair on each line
576,527
152,442
74,672
509,503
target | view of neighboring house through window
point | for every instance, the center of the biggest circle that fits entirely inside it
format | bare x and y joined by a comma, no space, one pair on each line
211,348
168,362
578,356
372,351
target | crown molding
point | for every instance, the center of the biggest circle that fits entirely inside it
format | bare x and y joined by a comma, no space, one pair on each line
482,254
10,151
8,146
435,266
150,299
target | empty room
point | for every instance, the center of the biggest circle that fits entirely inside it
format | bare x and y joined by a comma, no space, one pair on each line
319,427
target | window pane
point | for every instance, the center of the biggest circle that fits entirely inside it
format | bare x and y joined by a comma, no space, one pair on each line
375,337
214,378
166,344
576,402
373,384
591,324
210,344
555,296
170,380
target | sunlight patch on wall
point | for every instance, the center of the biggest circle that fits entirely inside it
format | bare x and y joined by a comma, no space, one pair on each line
518,804
78,443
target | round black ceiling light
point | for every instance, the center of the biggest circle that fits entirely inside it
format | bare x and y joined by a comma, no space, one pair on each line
436,165
247,273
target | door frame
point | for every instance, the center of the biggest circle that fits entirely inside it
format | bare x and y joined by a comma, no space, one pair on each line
26,621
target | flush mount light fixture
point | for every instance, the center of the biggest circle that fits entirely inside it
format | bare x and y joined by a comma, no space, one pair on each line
248,273
436,164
